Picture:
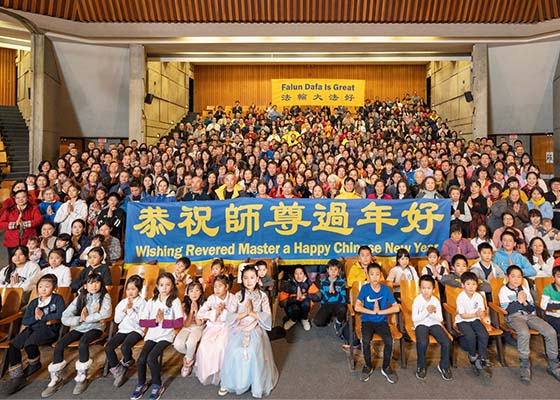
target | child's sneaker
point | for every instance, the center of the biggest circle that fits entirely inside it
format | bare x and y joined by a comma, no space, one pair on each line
476,364
289,324
306,324
222,392
445,373
554,369
486,367
366,373
139,391
156,392
525,371
118,372
337,328
390,375
421,373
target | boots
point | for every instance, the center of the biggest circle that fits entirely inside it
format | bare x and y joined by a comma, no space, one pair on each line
17,380
525,370
33,366
56,381
81,376
554,368
119,373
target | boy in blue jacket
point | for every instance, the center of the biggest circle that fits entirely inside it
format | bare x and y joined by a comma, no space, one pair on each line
46,307
332,290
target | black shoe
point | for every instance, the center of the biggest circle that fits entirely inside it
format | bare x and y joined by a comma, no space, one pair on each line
445,373
421,373
390,375
15,384
31,369
366,373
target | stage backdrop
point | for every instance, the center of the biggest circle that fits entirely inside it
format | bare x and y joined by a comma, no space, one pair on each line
297,230
331,92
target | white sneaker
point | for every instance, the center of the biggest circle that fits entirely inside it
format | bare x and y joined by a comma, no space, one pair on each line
306,324
288,324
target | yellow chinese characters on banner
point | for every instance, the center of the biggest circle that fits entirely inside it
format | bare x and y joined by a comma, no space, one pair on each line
333,92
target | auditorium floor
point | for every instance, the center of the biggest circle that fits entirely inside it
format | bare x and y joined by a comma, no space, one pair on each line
313,365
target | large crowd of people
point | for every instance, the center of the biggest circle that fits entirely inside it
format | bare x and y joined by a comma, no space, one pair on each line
72,212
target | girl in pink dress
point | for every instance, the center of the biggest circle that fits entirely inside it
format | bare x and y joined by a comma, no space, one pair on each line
214,339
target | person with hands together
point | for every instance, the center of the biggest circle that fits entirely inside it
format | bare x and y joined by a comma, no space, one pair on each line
375,302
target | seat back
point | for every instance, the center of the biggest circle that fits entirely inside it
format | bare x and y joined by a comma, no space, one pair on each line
451,294
149,273
540,283
114,291
420,264
116,274
66,293
74,272
11,301
348,262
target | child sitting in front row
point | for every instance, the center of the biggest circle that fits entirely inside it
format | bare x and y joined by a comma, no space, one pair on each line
162,314
427,318
187,339
127,315
375,302
470,314
214,338
248,360
84,314
48,306
516,300
550,301
297,297
402,271
333,298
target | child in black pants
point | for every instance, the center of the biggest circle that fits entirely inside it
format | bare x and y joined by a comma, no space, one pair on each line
333,298
48,306
375,302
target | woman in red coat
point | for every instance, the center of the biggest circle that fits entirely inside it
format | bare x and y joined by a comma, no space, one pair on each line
20,221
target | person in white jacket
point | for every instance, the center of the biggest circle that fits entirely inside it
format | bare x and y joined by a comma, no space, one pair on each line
85,315
73,209
127,315
427,318
20,273
56,267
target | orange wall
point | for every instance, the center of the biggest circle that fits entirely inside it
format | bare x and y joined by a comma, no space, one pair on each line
223,84
7,77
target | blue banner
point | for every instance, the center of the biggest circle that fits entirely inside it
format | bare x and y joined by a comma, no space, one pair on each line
293,229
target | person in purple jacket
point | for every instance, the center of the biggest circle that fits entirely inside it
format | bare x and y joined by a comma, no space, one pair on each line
456,244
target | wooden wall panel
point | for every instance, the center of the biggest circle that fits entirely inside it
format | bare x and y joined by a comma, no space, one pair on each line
295,11
7,77
223,84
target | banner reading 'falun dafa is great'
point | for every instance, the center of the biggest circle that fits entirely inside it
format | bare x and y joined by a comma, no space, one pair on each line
331,92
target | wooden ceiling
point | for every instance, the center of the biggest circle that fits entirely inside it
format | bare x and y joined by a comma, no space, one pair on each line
294,11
